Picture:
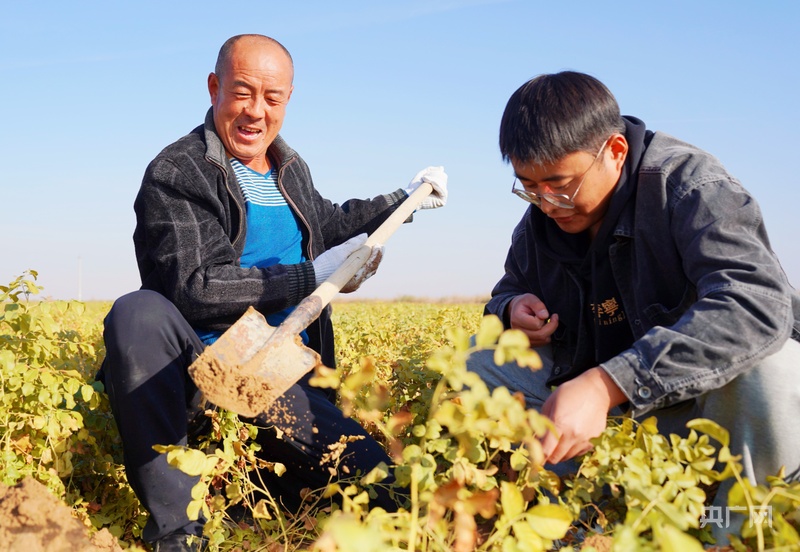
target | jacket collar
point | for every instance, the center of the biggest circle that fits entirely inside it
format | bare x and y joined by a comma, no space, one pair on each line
215,150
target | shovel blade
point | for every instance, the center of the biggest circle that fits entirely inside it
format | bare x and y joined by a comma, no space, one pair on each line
250,366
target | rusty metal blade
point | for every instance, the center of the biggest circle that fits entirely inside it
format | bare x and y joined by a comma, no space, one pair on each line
232,372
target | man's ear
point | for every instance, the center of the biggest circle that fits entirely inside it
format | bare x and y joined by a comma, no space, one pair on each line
618,145
213,87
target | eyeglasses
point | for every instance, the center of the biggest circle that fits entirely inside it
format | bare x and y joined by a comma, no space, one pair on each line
563,201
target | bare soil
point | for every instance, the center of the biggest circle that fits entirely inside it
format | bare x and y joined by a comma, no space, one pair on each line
33,520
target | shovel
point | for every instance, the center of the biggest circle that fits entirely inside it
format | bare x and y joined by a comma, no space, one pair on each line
253,363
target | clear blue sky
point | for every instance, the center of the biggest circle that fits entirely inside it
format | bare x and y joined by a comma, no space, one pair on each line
91,91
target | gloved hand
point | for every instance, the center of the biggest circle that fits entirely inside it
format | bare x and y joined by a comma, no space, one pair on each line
327,263
365,272
438,179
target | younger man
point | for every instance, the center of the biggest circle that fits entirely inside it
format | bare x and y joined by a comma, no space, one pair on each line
643,276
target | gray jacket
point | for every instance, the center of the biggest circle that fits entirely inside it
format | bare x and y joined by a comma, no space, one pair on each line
190,233
704,294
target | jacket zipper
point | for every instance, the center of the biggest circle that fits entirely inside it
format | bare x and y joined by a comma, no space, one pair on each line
235,201
297,211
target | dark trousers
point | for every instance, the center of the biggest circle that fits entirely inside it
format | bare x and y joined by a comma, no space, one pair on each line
154,401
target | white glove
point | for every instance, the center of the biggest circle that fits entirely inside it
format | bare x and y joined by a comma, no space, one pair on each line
327,263
438,179
365,272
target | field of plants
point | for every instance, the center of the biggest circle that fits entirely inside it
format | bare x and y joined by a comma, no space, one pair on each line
467,460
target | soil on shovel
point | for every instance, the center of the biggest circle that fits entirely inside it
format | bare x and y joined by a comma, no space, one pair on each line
232,388
33,520
250,384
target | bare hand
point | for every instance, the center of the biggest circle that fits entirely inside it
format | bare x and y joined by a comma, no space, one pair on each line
579,408
528,313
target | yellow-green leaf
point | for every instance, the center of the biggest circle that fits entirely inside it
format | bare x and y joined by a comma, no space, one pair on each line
193,509
514,339
551,521
712,429
527,538
189,461
234,492
511,500
378,473
673,539
490,329
260,511
86,392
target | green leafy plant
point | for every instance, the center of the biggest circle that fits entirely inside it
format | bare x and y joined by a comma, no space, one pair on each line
55,423
467,460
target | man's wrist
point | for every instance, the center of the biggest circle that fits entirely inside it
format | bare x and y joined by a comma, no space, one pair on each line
615,395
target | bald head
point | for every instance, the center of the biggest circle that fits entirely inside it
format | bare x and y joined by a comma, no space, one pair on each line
255,40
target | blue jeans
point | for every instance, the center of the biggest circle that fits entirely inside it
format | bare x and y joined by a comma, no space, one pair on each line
155,402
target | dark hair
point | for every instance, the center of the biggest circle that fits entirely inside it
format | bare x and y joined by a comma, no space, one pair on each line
225,51
551,116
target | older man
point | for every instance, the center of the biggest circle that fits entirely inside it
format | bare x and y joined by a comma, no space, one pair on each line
228,217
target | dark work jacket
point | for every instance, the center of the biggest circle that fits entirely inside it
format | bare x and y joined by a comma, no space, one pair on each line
190,234
704,294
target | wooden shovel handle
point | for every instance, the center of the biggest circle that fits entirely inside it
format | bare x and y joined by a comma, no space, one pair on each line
310,308
399,216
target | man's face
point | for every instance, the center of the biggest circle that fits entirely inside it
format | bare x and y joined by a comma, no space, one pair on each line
596,175
249,100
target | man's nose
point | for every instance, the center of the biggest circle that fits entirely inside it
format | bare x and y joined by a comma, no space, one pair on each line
547,207
255,107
